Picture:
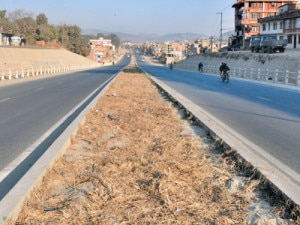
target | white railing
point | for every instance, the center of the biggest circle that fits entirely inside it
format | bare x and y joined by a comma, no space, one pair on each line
8,74
275,76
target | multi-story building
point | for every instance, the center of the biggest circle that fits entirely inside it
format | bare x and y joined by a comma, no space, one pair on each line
101,48
247,13
285,25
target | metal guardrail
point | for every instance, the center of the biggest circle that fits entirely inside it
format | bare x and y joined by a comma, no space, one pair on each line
8,74
275,76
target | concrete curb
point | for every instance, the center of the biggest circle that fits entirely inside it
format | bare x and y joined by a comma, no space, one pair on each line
284,178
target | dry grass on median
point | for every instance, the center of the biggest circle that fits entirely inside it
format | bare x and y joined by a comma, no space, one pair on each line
135,161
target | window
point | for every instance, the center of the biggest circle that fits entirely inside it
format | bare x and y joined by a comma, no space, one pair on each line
287,24
252,4
264,26
259,15
273,4
254,16
298,23
290,39
269,26
274,25
281,25
260,5
280,37
298,39
254,29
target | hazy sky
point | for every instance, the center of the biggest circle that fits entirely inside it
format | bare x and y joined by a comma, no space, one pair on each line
134,16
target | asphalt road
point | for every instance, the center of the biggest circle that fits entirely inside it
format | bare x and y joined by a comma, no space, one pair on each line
29,109
267,115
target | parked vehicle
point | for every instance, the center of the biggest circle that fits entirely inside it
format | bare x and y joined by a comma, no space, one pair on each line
234,43
267,44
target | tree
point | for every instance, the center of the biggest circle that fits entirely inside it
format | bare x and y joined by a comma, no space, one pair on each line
41,19
71,38
4,23
18,14
22,24
115,40
26,28
85,47
53,33
43,29
74,38
63,35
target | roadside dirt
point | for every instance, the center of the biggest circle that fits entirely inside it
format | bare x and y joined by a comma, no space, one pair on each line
139,160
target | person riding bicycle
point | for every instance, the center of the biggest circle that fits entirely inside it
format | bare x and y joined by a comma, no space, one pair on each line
200,67
223,68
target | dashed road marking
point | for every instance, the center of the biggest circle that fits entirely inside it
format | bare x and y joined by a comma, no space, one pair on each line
265,99
38,89
4,99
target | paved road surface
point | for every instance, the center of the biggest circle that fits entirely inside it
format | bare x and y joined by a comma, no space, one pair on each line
29,109
267,115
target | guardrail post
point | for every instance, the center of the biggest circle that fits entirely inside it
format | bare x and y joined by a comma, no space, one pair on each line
258,74
8,76
298,79
286,80
276,76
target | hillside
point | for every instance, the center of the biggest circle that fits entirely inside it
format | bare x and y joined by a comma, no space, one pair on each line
22,58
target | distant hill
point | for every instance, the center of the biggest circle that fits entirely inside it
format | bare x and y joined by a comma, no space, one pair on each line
140,38
180,37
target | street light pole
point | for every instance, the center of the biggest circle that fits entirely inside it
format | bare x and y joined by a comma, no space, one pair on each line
221,29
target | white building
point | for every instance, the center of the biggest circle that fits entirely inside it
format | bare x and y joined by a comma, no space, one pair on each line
285,25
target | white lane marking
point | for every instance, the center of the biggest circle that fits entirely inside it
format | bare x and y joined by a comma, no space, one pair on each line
265,99
4,100
38,89
226,88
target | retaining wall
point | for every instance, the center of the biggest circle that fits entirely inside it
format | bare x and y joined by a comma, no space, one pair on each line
279,67
20,62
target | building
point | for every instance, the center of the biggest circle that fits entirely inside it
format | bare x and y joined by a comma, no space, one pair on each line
101,42
285,25
247,13
101,49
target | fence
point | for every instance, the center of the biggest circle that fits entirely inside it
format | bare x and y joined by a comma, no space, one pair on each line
275,76
7,74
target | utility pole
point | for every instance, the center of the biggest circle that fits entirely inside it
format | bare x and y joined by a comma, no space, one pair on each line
221,29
